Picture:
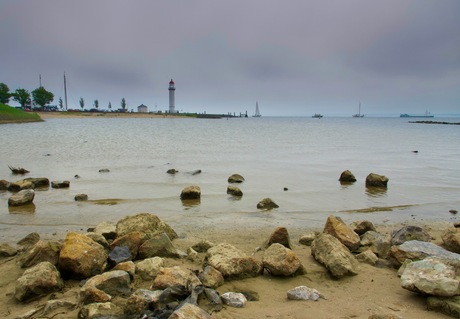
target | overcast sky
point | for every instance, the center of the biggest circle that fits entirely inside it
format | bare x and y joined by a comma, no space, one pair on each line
295,57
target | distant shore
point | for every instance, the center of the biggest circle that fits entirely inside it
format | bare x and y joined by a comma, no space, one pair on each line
58,115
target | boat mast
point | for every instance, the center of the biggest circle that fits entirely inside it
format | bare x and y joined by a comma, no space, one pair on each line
65,92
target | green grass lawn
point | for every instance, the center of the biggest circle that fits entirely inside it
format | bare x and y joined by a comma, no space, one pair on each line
10,114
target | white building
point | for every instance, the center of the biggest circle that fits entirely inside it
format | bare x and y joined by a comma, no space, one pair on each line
142,108
172,102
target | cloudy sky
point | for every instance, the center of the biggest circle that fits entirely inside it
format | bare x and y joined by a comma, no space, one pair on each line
295,57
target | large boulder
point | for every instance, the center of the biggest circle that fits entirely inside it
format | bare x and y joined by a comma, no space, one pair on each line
149,268
232,262
99,310
147,223
41,251
160,245
407,233
132,240
39,280
236,178
418,250
104,287
81,257
23,197
267,203
376,242
281,261
347,177
335,256
431,277
376,180
191,193
336,227
175,276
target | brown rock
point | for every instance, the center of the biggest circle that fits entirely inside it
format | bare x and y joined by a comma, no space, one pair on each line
147,223
131,240
191,193
169,277
347,177
336,227
376,180
280,236
281,261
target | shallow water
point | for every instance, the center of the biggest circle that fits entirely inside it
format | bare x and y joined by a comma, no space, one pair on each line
304,155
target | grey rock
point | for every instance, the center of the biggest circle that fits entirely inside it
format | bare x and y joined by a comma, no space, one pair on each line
119,255
367,257
211,277
102,288
362,226
23,197
104,170
98,238
303,293
449,306
409,233
40,252
418,250
160,245
203,246
30,240
307,239
172,171
101,310
378,243
234,299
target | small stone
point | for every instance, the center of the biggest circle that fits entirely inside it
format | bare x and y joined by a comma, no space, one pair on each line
60,184
234,299
81,197
104,170
172,171
303,293
236,178
267,203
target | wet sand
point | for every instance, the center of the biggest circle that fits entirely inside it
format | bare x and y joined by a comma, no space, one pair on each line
373,291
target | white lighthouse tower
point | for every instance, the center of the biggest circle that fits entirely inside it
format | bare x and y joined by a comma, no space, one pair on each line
172,103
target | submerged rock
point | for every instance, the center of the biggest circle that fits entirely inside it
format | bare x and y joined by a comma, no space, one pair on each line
347,177
191,192
267,203
24,197
376,180
60,184
234,191
236,178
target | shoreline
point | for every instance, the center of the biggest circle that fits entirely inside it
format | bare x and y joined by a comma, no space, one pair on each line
60,115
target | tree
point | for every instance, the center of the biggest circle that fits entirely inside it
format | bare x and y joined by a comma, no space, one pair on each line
82,103
42,97
110,105
123,104
96,104
22,96
61,104
4,93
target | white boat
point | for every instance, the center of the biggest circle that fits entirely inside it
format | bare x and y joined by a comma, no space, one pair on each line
257,114
359,112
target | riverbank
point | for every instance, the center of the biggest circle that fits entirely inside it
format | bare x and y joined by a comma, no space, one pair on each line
376,290
10,114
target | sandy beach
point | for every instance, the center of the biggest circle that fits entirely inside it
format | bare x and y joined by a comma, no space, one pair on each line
374,291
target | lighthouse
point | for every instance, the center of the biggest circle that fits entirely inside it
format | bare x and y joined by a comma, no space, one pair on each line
172,104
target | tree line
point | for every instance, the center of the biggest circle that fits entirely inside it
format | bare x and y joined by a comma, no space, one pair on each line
41,97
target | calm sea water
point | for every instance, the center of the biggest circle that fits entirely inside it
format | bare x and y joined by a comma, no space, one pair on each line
304,155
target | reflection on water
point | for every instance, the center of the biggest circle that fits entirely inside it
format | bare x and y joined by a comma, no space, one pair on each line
191,202
376,192
25,209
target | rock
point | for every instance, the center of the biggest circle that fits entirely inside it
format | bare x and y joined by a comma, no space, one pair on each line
267,203
60,184
232,262
175,276
336,227
139,301
384,316
81,197
449,306
431,277
451,240
195,172
23,197
172,171
29,240
418,250
362,226
6,250
102,288
20,185
453,211
236,178
98,238
39,280
104,170
307,239
191,193
119,255
132,240
192,254
234,191
106,229
189,311
52,305
457,224
38,182
378,243
4,185
160,246
280,236
81,257
101,310
234,299
211,277
375,180
147,223
40,252
149,268
330,252
281,261
347,177
303,293
127,266
203,246
367,257
409,233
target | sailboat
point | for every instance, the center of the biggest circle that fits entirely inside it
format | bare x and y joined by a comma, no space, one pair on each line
257,114
359,112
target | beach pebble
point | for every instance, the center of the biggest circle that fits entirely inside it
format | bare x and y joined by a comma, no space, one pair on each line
234,299
303,293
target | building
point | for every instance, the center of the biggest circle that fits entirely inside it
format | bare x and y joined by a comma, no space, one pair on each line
172,103
142,108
